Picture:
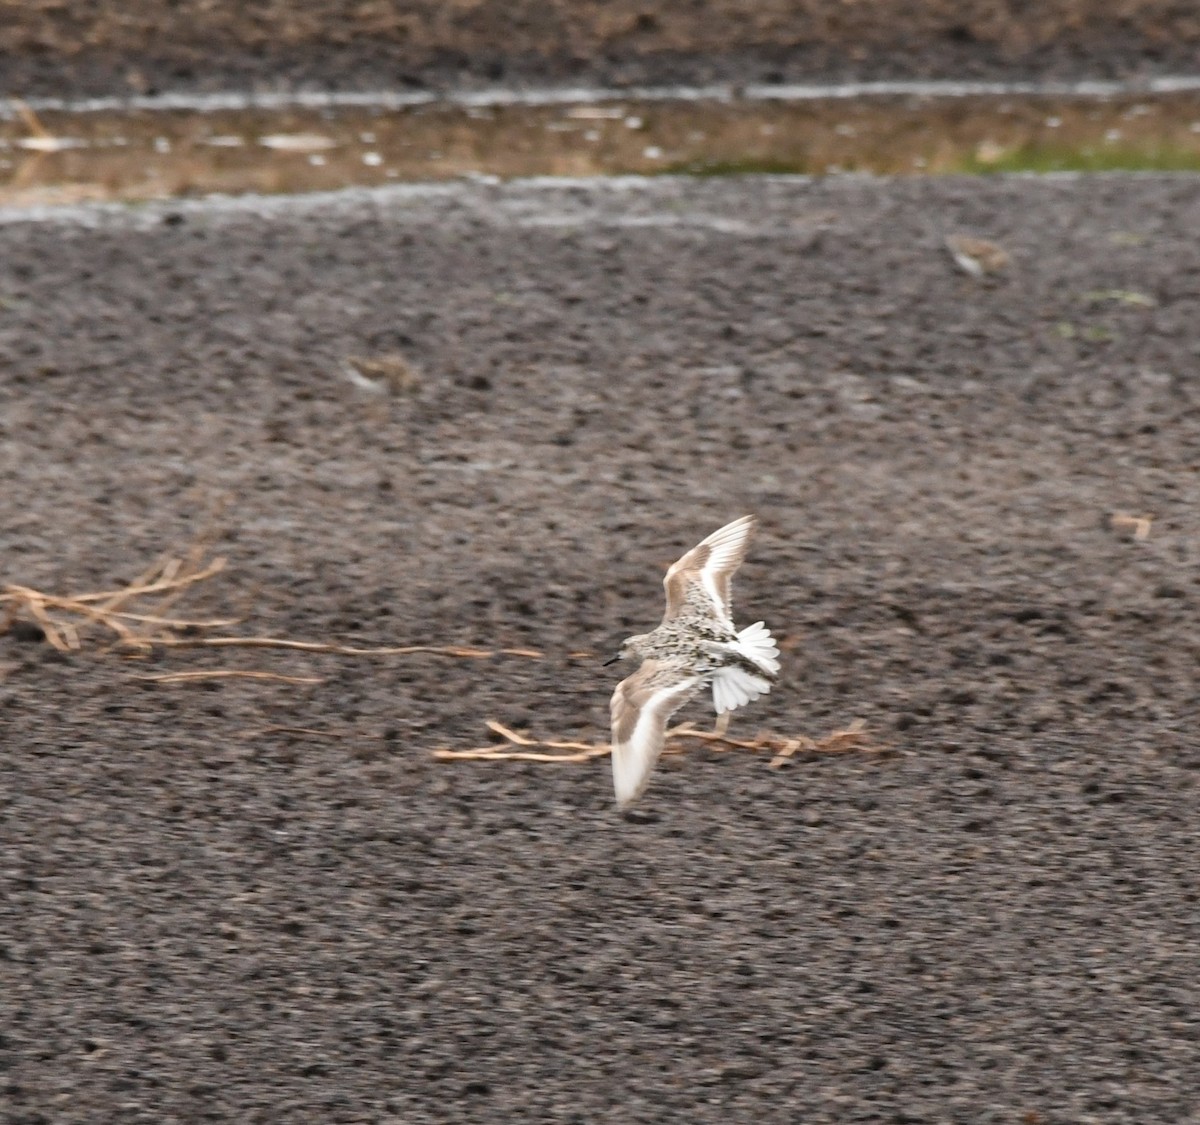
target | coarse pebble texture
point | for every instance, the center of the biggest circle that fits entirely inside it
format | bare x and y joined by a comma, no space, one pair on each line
259,902
144,46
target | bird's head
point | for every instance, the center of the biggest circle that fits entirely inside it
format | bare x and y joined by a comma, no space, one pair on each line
631,649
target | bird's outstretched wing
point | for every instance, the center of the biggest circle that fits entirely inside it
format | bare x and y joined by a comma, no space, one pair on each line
708,569
641,707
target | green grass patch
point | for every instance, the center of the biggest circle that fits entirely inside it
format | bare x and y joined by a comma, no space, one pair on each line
1106,158
1028,158
742,166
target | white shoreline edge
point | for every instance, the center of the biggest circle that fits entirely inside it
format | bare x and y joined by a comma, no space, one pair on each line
491,192
11,107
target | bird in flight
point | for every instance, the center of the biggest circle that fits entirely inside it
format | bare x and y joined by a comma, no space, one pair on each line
695,646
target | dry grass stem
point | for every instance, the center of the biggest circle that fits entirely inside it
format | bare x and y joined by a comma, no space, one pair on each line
783,748
341,650
32,121
257,732
853,737
228,674
147,626
61,618
581,751
169,580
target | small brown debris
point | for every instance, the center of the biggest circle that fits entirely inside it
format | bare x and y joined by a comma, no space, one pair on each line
1136,526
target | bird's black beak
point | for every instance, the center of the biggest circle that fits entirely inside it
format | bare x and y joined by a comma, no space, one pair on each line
612,661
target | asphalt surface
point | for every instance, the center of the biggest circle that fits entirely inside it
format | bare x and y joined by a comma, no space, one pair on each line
245,900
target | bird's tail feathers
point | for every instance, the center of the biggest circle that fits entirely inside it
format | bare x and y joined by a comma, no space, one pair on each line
757,645
733,686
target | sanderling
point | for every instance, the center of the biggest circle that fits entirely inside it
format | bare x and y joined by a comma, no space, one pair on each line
977,256
696,645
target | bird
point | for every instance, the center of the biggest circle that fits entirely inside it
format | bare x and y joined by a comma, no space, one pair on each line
976,256
695,647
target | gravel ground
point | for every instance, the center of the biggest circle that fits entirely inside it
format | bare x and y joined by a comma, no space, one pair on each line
204,916
48,46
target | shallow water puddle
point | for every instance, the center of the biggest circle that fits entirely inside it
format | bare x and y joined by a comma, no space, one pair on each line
57,154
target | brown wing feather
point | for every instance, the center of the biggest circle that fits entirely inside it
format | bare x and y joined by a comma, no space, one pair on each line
681,575
641,707
711,564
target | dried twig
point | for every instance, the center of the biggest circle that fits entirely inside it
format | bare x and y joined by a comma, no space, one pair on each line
582,750
1138,525
60,616
165,576
341,650
162,584
228,674
853,737
275,728
32,122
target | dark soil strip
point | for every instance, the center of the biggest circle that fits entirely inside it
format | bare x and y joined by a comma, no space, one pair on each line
143,45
